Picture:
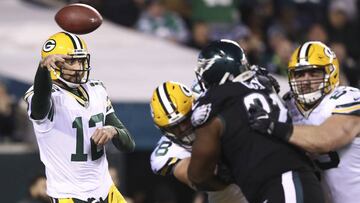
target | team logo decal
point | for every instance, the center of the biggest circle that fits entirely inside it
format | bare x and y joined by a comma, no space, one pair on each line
200,114
329,53
186,91
49,45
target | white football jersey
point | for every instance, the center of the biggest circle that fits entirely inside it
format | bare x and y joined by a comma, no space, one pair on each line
167,154
342,167
75,167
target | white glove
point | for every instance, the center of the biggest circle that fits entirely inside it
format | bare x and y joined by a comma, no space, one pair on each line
200,115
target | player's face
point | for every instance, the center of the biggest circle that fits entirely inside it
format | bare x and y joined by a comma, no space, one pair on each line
73,70
309,80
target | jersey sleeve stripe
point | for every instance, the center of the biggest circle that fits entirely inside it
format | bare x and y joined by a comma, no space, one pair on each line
108,105
51,112
28,94
169,166
347,105
347,108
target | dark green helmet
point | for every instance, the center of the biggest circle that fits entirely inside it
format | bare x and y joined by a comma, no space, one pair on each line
219,62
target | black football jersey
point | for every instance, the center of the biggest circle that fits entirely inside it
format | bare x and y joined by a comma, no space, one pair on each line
252,157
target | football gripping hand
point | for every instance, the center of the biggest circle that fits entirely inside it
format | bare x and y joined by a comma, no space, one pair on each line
200,115
261,122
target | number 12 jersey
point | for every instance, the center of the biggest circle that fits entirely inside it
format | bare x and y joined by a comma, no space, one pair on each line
74,164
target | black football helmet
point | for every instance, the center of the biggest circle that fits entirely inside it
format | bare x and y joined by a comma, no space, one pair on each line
219,62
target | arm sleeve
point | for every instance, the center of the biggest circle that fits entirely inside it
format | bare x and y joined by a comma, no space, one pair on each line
40,103
122,140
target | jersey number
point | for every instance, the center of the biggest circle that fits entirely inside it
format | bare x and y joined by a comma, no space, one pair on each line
163,148
78,125
257,98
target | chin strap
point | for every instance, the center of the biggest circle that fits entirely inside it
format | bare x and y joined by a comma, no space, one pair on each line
69,84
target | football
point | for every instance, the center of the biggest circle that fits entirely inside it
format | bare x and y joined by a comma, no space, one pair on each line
78,18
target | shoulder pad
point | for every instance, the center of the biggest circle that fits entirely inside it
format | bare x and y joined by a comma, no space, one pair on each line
169,167
347,100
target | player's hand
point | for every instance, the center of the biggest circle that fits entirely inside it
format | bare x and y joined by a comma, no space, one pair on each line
103,134
274,83
261,71
260,120
52,61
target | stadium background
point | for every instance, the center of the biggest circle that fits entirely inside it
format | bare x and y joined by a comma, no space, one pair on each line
132,64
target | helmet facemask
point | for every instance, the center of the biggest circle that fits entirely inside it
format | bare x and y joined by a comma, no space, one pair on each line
181,132
73,77
202,83
309,92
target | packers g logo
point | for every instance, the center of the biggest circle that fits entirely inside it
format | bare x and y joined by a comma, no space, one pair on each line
186,91
49,45
329,53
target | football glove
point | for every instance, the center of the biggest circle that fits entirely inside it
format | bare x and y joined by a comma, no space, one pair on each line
261,122
267,78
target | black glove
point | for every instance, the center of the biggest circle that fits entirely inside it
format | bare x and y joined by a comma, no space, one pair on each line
261,122
269,80
259,70
274,83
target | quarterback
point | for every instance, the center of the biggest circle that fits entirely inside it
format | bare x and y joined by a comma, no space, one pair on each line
73,119
171,105
326,118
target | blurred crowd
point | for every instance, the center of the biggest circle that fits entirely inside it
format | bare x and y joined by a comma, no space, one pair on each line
268,30
14,125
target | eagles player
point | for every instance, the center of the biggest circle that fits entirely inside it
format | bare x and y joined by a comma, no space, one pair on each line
266,169
171,111
73,119
326,118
